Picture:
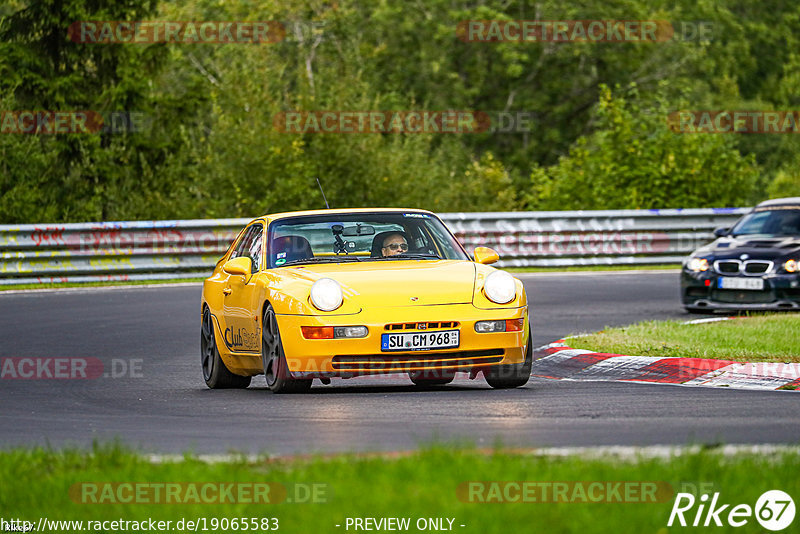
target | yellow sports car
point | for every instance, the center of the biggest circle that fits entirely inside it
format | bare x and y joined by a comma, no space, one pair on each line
342,293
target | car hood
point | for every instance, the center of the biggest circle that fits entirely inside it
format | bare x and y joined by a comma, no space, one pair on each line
756,246
383,283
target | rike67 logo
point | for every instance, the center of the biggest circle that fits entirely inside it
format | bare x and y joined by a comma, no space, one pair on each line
774,510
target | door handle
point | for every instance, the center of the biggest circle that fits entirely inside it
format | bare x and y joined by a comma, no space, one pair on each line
227,291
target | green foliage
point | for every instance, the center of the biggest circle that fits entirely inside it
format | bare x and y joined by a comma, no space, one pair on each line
786,183
634,160
211,149
759,338
432,483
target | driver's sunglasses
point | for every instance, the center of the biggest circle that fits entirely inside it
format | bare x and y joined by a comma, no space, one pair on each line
395,246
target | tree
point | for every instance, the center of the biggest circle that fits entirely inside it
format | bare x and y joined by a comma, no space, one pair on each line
634,160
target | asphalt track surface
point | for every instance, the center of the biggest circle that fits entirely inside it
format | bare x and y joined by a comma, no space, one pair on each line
164,406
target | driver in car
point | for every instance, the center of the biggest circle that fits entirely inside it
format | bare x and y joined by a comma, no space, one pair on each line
394,244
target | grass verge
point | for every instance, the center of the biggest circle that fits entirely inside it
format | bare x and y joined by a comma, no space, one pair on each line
758,338
427,484
99,284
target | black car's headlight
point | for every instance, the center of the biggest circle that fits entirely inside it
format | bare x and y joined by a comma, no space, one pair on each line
697,265
791,266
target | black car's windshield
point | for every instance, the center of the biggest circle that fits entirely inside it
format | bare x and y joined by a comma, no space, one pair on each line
774,221
375,236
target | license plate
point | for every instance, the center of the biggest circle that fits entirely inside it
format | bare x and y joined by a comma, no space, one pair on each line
725,282
442,339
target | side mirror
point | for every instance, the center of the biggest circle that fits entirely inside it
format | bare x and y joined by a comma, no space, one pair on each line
485,255
241,266
721,232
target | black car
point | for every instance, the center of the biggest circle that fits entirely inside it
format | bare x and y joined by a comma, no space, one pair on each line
754,265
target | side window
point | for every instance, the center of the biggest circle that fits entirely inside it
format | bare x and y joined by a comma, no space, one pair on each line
255,248
250,246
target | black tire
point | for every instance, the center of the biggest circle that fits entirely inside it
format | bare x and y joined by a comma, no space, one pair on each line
511,376
273,358
216,375
430,378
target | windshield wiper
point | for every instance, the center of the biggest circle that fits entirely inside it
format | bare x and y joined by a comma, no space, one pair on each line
411,256
322,259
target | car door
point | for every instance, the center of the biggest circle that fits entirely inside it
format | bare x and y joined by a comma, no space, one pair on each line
240,311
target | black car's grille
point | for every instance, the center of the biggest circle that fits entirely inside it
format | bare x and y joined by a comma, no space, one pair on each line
735,296
405,362
749,267
728,267
757,267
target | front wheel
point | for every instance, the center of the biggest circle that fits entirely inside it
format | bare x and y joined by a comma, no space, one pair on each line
511,376
273,358
216,375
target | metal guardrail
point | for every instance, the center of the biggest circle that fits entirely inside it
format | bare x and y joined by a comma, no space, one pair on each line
151,250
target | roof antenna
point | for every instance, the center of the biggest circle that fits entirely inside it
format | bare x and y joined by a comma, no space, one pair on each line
323,194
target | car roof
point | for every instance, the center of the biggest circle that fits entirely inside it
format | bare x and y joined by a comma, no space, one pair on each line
339,211
775,202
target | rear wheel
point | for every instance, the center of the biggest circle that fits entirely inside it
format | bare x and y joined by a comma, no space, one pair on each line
511,376
216,375
431,377
273,358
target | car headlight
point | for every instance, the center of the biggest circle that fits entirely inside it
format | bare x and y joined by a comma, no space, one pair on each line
791,266
500,287
698,265
326,294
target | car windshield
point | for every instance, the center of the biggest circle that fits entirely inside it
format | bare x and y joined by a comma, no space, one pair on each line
770,221
379,236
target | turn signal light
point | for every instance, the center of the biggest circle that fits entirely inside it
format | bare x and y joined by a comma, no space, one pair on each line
331,332
515,325
317,332
791,266
509,325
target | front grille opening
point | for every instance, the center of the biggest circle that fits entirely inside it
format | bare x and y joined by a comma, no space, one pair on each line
427,325
757,267
736,296
394,361
792,293
697,292
728,267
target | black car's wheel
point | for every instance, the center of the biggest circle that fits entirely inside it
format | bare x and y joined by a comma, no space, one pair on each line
276,371
216,375
432,377
511,376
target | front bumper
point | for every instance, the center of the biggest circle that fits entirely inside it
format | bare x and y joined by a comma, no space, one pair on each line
319,358
701,291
